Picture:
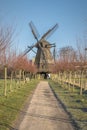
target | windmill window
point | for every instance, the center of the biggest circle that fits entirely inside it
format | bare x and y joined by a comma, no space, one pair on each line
41,45
46,46
42,66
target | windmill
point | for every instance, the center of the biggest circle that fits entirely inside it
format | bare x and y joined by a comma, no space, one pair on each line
44,59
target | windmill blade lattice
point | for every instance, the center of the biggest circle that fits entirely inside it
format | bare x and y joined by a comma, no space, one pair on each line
50,32
34,30
28,50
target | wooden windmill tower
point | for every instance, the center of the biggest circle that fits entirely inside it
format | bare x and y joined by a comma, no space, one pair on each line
43,59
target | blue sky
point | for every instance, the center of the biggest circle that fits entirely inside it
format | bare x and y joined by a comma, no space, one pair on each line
71,15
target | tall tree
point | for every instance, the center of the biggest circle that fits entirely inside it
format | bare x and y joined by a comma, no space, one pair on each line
5,42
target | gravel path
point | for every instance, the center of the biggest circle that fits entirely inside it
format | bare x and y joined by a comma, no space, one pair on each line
45,112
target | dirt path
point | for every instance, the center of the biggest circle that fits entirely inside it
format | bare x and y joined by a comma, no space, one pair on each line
44,112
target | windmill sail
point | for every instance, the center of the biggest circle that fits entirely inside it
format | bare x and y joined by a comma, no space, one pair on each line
50,32
34,30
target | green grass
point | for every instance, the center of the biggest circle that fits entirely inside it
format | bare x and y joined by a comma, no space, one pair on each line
74,103
12,104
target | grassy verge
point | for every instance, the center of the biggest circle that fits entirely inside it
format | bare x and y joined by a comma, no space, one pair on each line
74,103
11,105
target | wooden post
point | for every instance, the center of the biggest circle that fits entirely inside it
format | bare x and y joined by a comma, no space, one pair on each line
20,71
23,77
81,85
11,81
69,80
5,82
74,78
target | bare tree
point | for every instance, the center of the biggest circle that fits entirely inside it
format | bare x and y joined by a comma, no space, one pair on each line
67,54
5,42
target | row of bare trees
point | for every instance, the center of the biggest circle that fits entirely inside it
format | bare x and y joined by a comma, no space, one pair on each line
9,57
12,66
71,68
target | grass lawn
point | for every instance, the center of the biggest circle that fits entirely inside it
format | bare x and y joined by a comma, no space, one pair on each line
74,104
11,105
